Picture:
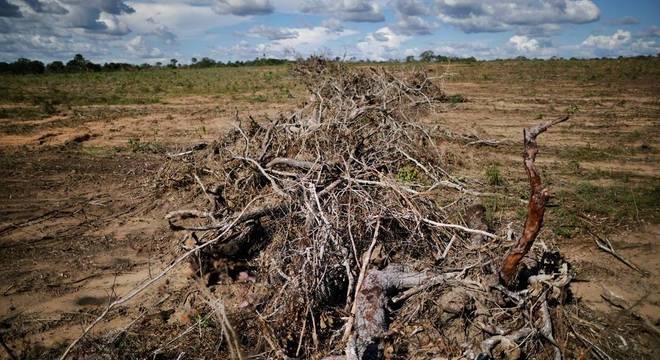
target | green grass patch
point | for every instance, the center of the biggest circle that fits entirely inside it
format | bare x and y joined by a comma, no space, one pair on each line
619,203
407,174
494,176
17,128
21,113
587,153
136,145
273,83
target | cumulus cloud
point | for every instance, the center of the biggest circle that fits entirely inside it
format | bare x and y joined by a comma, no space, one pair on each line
9,10
543,30
347,10
114,7
243,7
414,25
644,47
46,47
186,20
46,7
604,42
651,32
309,40
410,17
411,7
163,32
524,44
272,33
139,47
333,24
621,43
501,15
239,51
98,15
382,44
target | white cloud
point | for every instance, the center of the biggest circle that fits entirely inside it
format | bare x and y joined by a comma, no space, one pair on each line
382,44
184,19
524,44
501,15
112,25
240,51
347,10
309,40
97,16
618,39
411,15
621,43
411,7
272,33
414,25
139,47
46,7
243,7
651,32
163,32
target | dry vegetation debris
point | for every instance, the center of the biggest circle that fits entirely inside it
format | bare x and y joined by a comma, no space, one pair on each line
322,235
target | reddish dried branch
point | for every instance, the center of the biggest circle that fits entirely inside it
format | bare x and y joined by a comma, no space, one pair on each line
536,207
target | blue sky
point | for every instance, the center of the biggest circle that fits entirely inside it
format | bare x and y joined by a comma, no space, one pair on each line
141,31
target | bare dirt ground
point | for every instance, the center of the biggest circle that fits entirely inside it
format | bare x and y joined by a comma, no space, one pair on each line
611,120
81,218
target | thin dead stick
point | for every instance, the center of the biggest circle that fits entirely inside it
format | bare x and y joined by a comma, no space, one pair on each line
431,282
593,347
147,284
182,334
606,245
263,172
365,264
270,338
206,193
218,307
459,227
446,252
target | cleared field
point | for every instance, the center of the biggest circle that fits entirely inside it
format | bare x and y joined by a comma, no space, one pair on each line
81,217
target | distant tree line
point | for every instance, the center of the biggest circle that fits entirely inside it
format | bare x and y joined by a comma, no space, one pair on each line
79,64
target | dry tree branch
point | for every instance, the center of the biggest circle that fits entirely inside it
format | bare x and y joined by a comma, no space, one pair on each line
606,245
536,208
489,344
546,328
218,307
365,264
459,227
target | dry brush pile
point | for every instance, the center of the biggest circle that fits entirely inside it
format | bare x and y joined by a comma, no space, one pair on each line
331,213
328,221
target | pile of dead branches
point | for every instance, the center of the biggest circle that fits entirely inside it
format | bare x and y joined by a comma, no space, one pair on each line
328,217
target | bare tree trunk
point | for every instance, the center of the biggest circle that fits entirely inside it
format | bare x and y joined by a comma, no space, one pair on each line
536,208
371,300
